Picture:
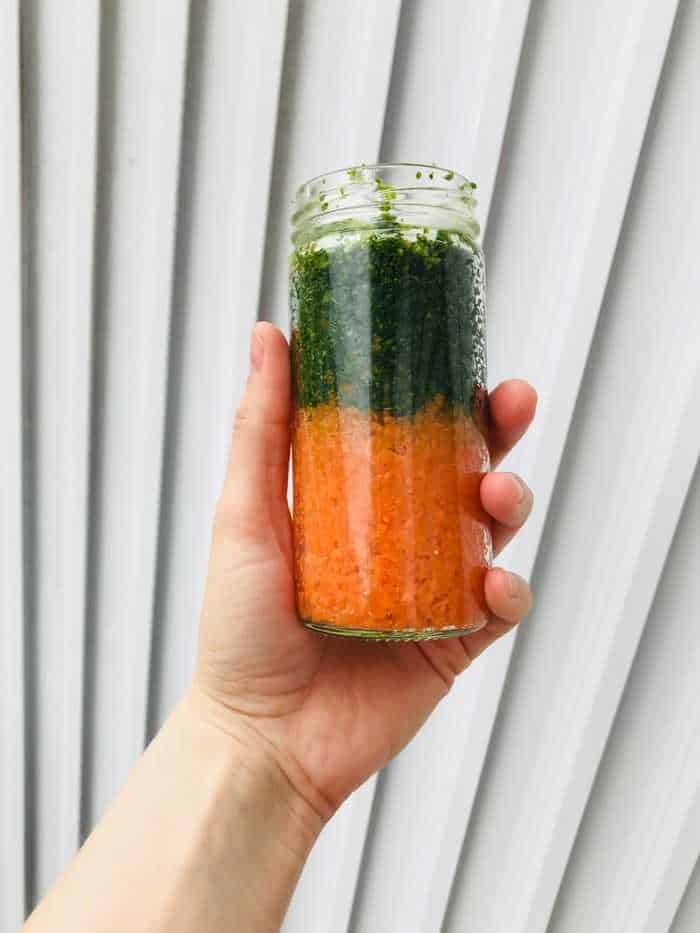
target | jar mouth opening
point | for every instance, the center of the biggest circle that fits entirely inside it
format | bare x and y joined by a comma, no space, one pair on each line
391,190
413,171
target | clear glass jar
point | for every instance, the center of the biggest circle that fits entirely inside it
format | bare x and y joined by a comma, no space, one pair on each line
390,407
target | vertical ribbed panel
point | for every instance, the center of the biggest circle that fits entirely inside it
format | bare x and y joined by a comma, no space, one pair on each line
452,107
627,467
539,271
144,49
12,538
231,110
60,94
687,919
148,158
638,844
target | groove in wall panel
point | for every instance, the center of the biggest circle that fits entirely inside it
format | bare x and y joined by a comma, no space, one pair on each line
603,553
687,919
452,108
614,877
59,60
233,82
671,865
549,249
12,608
143,57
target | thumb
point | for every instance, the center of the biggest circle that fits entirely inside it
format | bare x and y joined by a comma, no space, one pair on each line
256,477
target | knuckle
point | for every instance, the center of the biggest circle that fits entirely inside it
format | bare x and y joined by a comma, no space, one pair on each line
234,521
244,419
225,519
250,420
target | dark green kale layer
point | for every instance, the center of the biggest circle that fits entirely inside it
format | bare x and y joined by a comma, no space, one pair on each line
387,323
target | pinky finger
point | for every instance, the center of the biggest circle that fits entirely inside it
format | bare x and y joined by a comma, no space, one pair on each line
509,598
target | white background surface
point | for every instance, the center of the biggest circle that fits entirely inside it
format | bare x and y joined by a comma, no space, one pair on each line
148,154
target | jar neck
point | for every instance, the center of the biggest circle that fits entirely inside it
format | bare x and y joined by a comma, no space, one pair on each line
386,197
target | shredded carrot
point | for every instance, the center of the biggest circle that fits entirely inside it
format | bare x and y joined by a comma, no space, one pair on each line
389,530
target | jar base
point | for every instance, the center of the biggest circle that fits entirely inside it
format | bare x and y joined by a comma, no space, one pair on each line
368,634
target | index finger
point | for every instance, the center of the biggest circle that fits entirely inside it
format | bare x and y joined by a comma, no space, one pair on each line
512,407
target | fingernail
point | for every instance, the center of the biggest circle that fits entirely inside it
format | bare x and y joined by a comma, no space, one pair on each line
519,486
514,585
257,349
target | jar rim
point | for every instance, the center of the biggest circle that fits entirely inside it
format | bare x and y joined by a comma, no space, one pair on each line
354,173
395,192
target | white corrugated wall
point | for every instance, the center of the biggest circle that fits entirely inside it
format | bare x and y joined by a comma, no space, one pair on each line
148,153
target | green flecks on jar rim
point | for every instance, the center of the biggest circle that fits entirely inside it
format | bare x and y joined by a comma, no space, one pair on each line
367,171
349,193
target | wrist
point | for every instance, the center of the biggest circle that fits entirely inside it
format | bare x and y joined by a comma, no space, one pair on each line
207,828
242,831
248,769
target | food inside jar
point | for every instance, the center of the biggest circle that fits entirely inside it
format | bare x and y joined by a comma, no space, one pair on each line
389,432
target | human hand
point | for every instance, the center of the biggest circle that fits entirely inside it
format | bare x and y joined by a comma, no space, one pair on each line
327,711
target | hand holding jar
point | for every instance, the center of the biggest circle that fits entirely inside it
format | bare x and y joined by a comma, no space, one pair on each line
396,517
331,710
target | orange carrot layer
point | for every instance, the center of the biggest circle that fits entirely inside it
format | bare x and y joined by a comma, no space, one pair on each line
389,530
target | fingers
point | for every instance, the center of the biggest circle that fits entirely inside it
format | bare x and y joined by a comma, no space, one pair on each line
508,500
259,459
512,407
509,598
504,496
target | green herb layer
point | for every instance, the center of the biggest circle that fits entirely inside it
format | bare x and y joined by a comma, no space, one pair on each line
388,323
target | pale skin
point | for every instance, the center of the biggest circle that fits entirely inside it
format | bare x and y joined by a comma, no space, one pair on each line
279,725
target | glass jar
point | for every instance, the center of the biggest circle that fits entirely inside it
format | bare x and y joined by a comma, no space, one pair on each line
389,381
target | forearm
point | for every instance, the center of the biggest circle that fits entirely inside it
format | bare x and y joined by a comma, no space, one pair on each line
207,834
